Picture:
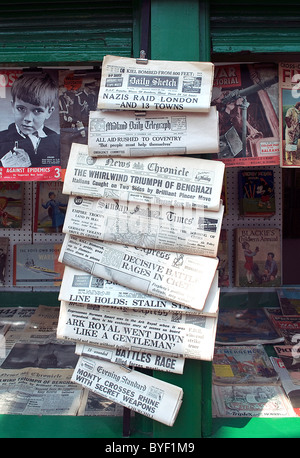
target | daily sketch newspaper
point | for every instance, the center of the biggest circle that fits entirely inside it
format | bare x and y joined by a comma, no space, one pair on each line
185,230
154,134
158,85
133,358
170,180
181,278
83,288
139,392
172,334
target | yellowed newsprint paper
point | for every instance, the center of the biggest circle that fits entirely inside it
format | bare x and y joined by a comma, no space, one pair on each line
133,358
139,392
80,287
171,180
116,134
157,86
185,336
184,230
182,278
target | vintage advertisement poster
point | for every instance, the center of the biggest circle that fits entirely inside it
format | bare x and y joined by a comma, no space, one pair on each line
246,97
182,278
155,85
139,392
184,230
116,134
29,125
289,113
82,288
172,180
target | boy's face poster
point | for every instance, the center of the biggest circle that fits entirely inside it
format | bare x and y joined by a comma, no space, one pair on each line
29,125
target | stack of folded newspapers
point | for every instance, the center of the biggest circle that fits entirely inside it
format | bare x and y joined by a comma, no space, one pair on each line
140,285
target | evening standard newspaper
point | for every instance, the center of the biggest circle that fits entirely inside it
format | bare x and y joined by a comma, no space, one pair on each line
34,391
171,180
139,392
177,277
184,230
153,134
170,334
158,85
133,358
83,288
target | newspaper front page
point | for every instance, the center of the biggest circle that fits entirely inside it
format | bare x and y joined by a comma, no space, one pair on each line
177,277
173,334
117,134
133,358
157,86
83,288
172,180
184,230
34,391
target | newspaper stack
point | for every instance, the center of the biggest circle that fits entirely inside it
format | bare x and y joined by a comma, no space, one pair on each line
140,286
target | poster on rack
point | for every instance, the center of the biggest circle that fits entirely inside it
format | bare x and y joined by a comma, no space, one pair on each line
289,114
246,97
29,125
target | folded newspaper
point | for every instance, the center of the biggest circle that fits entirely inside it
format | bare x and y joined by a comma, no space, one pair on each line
141,393
171,180
182,278
83,288
116,134
160,85
169,334
184,230
133,358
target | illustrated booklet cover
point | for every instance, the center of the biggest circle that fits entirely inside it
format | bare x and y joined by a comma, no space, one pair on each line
11,204
256,193
51,206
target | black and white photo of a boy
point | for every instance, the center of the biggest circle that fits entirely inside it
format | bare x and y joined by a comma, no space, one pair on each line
28,142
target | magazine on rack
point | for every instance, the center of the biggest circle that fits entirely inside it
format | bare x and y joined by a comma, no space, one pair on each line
4,244
246,96
11,204
116,134
29,125
173,180
80,287
155,85
160,227
50,208
289,113
182,278
290,356
133,358
256,193
139,392
242,365
287,326
169,334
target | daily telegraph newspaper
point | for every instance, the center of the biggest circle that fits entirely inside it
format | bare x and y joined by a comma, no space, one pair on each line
141,393
182,278
161,227
169,334
246,96
172,180
34,391
289,112
29,144
156,86
153,134
83,288
133,358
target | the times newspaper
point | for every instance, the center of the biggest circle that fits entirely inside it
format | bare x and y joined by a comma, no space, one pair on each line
185,230
171,334
133,358
83,288
177,277
155,85
172,180
289,112
152,134
139,392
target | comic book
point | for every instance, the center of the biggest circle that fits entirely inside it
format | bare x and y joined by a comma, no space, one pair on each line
256,193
